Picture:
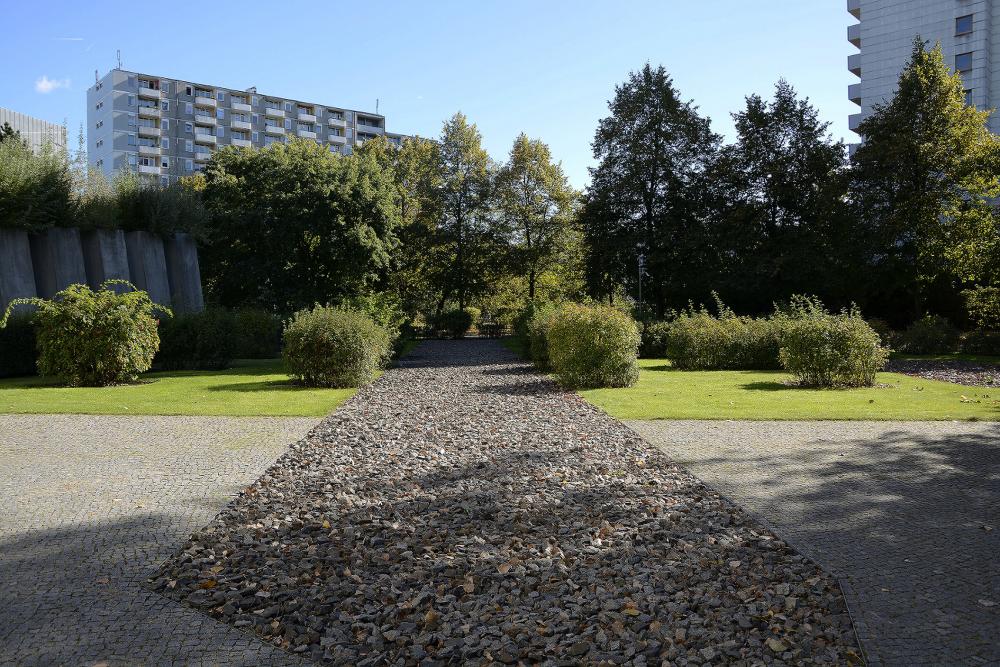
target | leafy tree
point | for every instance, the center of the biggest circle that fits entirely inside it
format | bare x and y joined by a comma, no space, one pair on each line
922,185
535,204
7,133
35,188
294,225
647,192
779,203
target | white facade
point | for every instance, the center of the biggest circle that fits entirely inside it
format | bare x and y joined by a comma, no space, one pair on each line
35,131
967,30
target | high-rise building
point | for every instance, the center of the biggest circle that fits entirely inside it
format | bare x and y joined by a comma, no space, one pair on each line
35,131
169,128
968,31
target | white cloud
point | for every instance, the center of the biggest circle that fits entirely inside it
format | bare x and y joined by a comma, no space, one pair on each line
45,85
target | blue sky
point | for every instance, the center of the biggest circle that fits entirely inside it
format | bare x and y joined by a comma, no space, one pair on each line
546,68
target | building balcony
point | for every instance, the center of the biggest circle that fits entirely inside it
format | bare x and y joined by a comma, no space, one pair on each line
854,93
370,129
337,139
202,101
274,129
306,117
149,151
854,34
149,93
206,120
203,156
306,134
149,131
240,106
854,64
854,122
854,7
337,122
245,143
274,113
203,138
149,112
239,125
147,169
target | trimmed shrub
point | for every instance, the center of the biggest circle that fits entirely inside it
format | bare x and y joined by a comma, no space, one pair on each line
537,339
655,338
824,350
454,323
593,346
931,334
18,353
698,341
983,306
88,338
197,341
257,334
330,347
981,341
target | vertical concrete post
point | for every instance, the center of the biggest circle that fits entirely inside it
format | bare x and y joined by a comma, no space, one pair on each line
17,277
184,273
57,257
147,265
105,256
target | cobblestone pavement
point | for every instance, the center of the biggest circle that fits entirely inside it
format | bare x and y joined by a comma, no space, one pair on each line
89,505
906,514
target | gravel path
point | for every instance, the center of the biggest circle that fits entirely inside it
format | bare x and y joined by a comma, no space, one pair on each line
969,373
907,514
89,505
464,510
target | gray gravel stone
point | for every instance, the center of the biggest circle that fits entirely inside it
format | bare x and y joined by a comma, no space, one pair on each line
463,509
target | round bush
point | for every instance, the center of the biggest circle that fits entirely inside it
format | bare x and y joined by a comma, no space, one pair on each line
593,346
538,334
981,341
197,341
455,323
329,347
824,350
698,341
18,352
95,338
931,334
654,340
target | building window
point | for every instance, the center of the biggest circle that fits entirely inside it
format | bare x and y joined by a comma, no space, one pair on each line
165,163
254,117
220,114
187,89
131,140
131,100
165,105
164,181
220,97
131,159
968,97
220,131
288,106
187,165
188,146
963,25
255,136
188,128
256,100
963,62
288,123
188,108
165,142
131,121
165,124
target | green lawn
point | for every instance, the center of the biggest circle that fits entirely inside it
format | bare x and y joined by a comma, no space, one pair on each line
250,388
665,393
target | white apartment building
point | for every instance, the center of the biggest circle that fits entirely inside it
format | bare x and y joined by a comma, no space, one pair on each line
168,128
35,131
967,30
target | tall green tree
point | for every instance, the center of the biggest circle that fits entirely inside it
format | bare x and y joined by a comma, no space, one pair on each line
535,204
653,150
466,180
295,224
923,181
780,217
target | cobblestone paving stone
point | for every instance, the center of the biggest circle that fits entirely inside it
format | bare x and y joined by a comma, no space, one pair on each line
464,510
907,514
90,505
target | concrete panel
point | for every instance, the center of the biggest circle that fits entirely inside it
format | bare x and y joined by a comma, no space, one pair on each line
17,278
105,256
57,256
147,265
183,273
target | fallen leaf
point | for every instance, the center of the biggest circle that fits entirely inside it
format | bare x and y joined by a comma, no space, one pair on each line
209,583
777,645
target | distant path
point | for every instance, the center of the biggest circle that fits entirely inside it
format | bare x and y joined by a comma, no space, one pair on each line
907,513
89,505
465,510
